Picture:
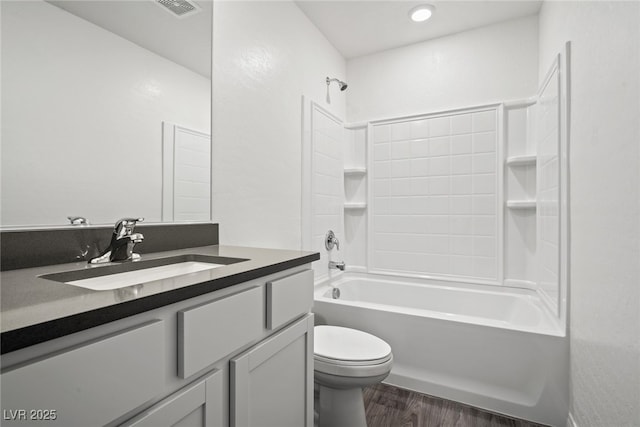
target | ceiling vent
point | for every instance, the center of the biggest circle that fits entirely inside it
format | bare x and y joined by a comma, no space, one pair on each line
179,8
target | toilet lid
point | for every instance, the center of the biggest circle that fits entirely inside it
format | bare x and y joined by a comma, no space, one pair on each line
338,343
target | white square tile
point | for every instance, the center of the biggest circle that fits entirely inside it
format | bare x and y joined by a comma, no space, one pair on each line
381,169
484,226
484,246
461,144
439,146
438,244
461,265
400,205
460,205
411,243
484,142
381,133
461,225
400,149
484,205
382,151
484,184
439,205
420,167
420,205
461,165
400,168
420,128
439,166
400,131
419,186
484,121
462,245
484,163
441,264
461,123
439,185
438,224
383,224
420,148
484,267
461,184
440,126
401,186
381,205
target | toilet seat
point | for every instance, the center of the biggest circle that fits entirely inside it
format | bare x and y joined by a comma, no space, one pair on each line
348,345
350,353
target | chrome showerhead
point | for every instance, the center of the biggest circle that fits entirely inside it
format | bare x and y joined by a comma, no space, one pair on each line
341,84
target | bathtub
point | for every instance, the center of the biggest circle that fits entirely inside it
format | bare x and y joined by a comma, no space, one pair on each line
491,347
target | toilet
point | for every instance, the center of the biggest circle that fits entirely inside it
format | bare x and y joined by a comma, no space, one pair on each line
345,360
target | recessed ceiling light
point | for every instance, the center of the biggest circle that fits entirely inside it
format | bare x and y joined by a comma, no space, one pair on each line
421,13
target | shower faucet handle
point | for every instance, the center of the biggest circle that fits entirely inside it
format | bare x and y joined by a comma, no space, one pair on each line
331,240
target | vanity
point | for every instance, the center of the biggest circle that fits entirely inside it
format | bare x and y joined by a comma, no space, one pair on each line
224,346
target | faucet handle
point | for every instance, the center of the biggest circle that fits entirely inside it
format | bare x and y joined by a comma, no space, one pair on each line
330,240
125,226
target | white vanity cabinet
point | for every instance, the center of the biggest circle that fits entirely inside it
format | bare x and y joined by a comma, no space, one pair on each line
198,404
240,356
270,383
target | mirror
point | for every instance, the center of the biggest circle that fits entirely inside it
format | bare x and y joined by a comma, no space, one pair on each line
106,111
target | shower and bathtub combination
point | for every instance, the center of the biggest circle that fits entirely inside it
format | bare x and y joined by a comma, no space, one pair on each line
454,237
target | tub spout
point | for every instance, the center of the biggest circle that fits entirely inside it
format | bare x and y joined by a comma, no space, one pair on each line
338,265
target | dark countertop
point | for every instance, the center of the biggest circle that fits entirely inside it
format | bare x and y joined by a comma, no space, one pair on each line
34,309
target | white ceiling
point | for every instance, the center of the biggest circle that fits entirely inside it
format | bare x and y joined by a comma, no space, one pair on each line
186,41
354,27
361,27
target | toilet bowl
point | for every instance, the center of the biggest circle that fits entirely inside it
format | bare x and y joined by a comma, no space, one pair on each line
345,360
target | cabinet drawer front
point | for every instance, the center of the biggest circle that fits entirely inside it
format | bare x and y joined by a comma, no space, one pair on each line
289,298
210,331
91,384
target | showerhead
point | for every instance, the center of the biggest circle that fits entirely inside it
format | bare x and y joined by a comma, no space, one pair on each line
341,84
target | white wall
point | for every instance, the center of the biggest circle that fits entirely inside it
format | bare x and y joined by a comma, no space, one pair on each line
266,56
605,203
82,118
493,63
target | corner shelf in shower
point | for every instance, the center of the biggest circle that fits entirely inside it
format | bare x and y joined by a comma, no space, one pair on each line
354,206
525,160
355,171
521,204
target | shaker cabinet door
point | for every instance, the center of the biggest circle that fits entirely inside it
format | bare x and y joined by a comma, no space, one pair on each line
200,404
272,383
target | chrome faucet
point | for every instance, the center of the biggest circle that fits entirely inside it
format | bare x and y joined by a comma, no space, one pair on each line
339,265
78,220
123,240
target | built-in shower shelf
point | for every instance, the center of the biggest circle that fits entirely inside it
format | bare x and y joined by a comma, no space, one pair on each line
528,160
354,206
521,204
355,171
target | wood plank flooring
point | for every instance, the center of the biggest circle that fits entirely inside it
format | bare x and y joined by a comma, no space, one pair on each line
388,406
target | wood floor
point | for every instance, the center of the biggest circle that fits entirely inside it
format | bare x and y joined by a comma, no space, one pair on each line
388,406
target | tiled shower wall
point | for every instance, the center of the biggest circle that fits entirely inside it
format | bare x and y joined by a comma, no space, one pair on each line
548,212
435,196
327,182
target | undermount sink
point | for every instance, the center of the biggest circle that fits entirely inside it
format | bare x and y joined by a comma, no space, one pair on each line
116,276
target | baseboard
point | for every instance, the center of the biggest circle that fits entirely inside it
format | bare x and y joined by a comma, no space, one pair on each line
571,422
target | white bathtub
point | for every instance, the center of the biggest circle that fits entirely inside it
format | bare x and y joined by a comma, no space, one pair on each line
491,347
